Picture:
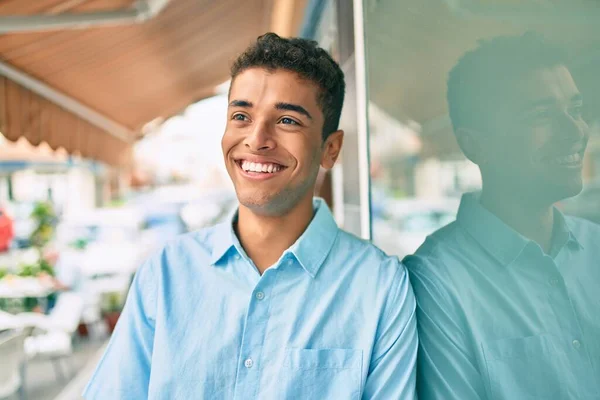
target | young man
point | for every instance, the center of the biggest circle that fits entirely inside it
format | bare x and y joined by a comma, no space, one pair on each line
276,303
508,304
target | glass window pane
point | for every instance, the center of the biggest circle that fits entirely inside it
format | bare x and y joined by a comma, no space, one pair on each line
411,48
484,132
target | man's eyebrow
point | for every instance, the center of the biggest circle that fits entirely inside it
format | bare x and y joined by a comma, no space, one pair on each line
293,107
240,103
547,102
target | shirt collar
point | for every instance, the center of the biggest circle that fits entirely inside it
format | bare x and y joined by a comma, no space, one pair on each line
224,238
497,238
310,250
313,246
564,232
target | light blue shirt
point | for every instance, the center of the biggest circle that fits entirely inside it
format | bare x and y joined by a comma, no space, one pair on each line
500,319
334,318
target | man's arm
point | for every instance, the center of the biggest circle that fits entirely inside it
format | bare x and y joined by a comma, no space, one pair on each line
392,371
124,370
447,367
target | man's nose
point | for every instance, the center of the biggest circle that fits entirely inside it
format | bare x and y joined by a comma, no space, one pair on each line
571,128
260,138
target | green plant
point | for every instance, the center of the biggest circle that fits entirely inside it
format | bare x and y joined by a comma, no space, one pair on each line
34,270
79,244
113,302
3,272
45,218
46,267
112,310
29,270
117,203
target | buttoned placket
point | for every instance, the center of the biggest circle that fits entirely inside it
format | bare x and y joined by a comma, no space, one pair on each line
253,338
566,316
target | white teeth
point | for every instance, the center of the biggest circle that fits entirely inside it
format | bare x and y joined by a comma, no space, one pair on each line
570,159
258,167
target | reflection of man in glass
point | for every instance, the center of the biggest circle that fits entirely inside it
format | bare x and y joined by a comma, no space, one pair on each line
508,303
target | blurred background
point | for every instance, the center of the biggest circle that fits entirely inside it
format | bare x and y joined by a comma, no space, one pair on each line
111,115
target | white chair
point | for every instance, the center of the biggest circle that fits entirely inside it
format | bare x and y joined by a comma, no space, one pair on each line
12,366
9,321
56,347
92,313
64,317
58,328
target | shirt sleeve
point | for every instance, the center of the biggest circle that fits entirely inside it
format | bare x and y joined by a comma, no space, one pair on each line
392,373
447,367
124,370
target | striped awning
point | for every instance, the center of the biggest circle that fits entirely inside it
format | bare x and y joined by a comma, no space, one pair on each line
91,89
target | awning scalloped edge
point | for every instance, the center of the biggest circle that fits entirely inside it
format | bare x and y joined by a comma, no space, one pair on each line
24,113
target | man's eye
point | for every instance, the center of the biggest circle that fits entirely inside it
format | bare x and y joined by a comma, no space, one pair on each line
288,121
239,117
538,116
576,111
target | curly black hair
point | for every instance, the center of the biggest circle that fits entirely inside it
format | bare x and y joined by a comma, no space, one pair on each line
308,60
478,82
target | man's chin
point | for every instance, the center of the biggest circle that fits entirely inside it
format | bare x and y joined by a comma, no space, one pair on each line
565,191
262,205
574,190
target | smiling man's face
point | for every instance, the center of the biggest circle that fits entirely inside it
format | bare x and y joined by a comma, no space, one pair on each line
273,144
540,136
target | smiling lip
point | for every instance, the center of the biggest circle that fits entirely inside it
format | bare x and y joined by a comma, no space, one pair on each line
257,168
573,159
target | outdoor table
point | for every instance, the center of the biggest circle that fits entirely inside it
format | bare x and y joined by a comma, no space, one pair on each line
24,293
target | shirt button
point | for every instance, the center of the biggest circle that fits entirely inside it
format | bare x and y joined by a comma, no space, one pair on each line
576,343
259,295
248,363
554,282
237,256
290,262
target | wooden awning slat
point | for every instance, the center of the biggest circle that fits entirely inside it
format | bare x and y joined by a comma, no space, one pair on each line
130,74
25,114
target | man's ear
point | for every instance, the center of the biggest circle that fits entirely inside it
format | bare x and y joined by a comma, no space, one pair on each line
332,148
471,144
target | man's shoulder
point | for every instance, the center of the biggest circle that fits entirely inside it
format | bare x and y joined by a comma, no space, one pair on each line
444,244
354,245
361,257
447,256
369,270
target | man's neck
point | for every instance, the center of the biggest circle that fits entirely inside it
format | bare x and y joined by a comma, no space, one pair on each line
534,220
265,238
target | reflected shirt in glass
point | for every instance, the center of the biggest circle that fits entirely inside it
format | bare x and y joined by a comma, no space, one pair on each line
499,319
333,318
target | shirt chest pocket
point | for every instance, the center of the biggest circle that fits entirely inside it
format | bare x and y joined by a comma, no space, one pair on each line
321,374
533,367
